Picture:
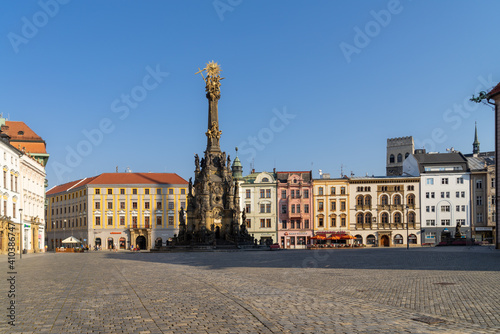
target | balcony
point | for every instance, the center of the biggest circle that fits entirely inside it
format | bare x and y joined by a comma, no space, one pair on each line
363,207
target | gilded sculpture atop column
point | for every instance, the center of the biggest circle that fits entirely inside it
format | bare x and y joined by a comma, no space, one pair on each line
212,81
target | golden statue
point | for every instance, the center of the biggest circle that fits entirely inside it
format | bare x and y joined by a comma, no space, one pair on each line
212,81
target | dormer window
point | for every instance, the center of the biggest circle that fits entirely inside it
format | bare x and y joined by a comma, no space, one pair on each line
20,133
265,179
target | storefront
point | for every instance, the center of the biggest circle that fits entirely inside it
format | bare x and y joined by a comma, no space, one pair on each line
295,240
484,234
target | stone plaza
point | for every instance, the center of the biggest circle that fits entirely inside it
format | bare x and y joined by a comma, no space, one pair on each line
421,290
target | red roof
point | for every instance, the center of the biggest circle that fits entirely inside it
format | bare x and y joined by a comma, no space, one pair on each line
121,178
19,132
495,90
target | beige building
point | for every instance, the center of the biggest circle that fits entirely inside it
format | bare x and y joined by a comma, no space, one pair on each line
331,205
385,211
117,210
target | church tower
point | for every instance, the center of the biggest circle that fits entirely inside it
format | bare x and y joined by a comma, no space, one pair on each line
475,144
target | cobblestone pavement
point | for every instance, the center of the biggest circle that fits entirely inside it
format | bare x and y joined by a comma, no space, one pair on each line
324,291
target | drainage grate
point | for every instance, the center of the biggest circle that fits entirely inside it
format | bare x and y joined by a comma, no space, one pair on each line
445,283
429,320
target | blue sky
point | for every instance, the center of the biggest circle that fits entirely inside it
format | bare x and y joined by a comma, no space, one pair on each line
308,84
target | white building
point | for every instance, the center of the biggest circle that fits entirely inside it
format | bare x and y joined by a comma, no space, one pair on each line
444,193
33,203
258,200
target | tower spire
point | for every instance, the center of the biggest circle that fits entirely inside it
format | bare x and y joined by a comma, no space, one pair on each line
475,145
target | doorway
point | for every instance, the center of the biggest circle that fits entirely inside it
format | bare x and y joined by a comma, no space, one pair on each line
384,240
140,242
110,243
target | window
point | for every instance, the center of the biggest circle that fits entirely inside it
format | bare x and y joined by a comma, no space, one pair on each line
460,180
122,191
306,223
360,200
262,223
265,179
368,218
183,191
122,220
397,218
398,239
384,200
342,190
333,205
158,191
457,208
306,208
411,188
262,193
98,221
158,220
442,194
385,218
391,159
98,191
283,194
430,180
462,194
445,222
427,208
432,194
268,223
170,205
320,222
430,222
170,191
433,208
134,205
397,200
493,182
332,190
134,191
170,220
134,221
146,191
283,208
158,205
110,221
292,223
298,208
146,205
400,157
320,206
292,193
110,191
262,208
268,193
110,205
445,208
249,223
427,195
444,180
283,224
447,194
479,200
342,221
411,217
333,220
479,184
268,208
306,193
122,205
411,199
457,194
368,200
247,208
247,193
342,205
97,205
146,222
320,191
463,208
461,222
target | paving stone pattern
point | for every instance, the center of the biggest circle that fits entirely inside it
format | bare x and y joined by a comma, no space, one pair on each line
452,290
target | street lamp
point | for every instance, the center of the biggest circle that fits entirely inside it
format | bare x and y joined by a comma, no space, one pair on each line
54,237
407,233
21,233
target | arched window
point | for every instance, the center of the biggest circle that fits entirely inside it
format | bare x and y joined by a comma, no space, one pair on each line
384,200
410,199
412,239
360,200
370,240
397,218
368,218
265,179
406,155
411,217
398,239
368,200
400,157
397,200
384,218
359,218
391,159
359,239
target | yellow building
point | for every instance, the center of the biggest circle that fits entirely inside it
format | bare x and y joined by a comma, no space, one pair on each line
331,205
116,210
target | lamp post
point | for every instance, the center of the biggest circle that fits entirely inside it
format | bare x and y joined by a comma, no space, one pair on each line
54,237
407,232
21,225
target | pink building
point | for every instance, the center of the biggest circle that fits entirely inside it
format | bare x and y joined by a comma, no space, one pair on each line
295,218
